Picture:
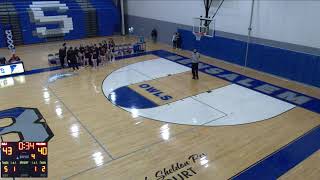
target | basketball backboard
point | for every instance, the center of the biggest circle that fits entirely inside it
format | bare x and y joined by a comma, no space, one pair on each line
205,24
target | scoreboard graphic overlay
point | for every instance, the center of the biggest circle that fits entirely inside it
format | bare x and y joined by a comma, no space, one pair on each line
24,159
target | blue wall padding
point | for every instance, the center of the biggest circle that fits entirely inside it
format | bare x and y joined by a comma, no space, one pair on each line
108,16
227,49
301,67
215,47
2,36
78,19
292,65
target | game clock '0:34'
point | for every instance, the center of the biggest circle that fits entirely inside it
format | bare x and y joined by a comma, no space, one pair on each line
24,159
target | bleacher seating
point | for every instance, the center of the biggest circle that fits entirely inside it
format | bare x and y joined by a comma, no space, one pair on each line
80,19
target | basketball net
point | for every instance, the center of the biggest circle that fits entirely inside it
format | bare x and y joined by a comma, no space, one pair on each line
198,35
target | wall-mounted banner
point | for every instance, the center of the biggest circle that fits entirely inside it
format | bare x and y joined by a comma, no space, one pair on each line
9,38
37,16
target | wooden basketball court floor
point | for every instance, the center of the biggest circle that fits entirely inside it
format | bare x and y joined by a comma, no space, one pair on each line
94,138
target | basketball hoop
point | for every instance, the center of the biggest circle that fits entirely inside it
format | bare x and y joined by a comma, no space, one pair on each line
198,35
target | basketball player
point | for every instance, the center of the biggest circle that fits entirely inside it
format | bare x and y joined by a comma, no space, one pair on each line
95,57
97,52
110,55
72,58
76,52
81,55
68,57
103,56
195,64
87,56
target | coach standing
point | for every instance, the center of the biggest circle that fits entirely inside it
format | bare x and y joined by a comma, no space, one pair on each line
195,64
62,54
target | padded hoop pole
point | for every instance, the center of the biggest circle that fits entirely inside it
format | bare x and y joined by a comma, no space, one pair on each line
196,45
123,31
249,35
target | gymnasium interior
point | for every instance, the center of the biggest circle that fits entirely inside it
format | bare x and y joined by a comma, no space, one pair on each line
160,89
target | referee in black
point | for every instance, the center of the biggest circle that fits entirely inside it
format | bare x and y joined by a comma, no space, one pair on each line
195,64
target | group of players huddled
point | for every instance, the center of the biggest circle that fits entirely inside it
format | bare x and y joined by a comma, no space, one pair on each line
89,55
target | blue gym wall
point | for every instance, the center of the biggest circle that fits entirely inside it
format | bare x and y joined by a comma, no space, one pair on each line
108,17
284,39
290,61
108,20
297,66
2,36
